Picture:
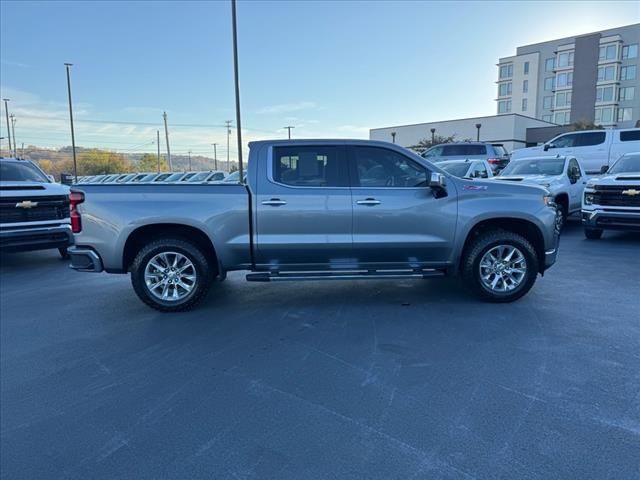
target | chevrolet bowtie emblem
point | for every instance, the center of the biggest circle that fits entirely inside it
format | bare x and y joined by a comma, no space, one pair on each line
30,204
631,191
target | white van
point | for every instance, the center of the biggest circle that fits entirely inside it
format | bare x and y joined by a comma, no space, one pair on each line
593,148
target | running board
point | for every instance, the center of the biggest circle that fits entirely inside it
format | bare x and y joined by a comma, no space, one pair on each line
342,275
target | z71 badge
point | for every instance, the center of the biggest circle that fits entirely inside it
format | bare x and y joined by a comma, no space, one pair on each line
474,187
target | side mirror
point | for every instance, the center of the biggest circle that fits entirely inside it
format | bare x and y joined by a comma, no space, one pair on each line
438,185
66,179
51,178
547,146
604,169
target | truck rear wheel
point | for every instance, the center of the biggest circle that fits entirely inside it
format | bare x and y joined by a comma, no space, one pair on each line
500,266
171,275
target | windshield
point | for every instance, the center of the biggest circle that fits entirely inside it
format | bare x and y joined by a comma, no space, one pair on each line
627,164
535,166
233,177
200,177
173,178
457,169
21,172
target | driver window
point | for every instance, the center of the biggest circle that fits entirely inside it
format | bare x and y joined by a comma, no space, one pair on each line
565,141
479,171
573,170
433,152
380,167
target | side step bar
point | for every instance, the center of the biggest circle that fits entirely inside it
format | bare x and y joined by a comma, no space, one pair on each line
342,275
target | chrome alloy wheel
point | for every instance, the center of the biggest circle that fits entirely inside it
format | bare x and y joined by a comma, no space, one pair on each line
170,276
503,268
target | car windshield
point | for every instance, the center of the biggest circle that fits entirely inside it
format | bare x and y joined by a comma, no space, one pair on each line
233,177
627,164
459,169
173,178
21,172
535,166
200,177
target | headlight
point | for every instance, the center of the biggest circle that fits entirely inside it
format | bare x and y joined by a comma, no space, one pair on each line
589,185
547,199
588,198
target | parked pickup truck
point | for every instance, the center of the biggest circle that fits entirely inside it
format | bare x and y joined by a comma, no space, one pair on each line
34,211
317,210
612,201
564,177
593,148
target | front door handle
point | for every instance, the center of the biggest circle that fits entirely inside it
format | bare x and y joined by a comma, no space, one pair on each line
274,202
368,201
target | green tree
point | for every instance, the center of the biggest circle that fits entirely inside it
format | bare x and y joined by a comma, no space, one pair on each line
97,162
584,124
149,163
426,143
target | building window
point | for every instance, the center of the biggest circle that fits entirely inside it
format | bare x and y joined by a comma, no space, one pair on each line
628,72
549,64
561,118
564,79
546,118
524,104
504,89
604,115
547,103
565,59
525,86
504,106
625,114
606,73
549,83
630,51
608,52
604,94
506,71
526,67
563,99
627,93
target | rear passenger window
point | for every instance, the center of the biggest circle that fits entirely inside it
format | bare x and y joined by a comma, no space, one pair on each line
380,167
590,138
630,135
309,166
457,150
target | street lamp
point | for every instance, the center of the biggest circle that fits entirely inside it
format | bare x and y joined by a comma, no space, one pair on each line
73,136
189,160
478,125
433,136
393,137
215,156
6,111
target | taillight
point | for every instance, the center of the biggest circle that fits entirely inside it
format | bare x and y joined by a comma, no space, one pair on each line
494,161
75,199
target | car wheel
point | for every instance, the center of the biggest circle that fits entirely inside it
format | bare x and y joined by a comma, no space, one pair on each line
64,253
171,275
593,233
500,266
562,218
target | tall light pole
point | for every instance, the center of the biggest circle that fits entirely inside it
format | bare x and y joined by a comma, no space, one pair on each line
478,125
73,135
228,122
235,69
166,136
158,142
6,111
13,130
189,160
433,136
1,138
289,127
215,156
393,137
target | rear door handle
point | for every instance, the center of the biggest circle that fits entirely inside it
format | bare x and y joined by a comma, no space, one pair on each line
274,202
368,201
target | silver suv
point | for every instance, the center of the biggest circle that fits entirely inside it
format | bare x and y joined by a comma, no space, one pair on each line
494,153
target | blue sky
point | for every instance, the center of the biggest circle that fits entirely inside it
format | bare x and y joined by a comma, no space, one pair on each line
332,69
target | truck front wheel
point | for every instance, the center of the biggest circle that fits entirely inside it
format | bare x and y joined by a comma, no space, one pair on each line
500,266
171,275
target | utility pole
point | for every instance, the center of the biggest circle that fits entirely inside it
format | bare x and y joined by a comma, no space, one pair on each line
166,134
6,111
228,122
1,138
235,69
13,129
478,125
393,137
158,142
22,154
73,135
433,136
215,156
289,127
189,160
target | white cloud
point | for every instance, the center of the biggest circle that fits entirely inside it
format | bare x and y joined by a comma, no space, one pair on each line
281,108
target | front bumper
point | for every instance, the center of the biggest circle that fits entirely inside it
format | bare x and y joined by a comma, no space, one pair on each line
84,259
611,219
21,239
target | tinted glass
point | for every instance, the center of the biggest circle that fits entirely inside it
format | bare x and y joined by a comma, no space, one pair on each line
627,164
459,169
630,136
451,150
216,177
172,178
380,167
573,167
310,166
590,138
433,152
535,166
499,150
566,140
20,172
200,177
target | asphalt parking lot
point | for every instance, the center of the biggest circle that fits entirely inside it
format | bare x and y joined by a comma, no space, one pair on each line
344,380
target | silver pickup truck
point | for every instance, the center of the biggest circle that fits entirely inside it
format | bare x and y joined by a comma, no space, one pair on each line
317,209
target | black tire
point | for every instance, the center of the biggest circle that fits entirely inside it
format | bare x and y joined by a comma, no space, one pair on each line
593,233
64,253
203,269
480,246
564,214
